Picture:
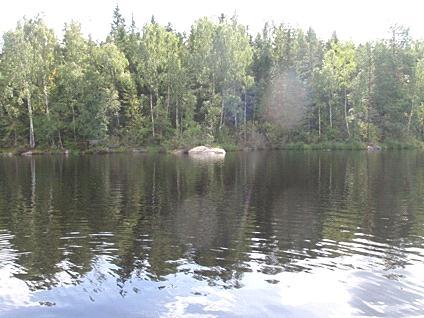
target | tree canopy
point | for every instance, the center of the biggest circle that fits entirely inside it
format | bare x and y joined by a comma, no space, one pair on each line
218,83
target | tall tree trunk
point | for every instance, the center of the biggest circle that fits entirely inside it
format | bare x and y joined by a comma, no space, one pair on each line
168,101
176,118
181,123
118,122
331,110
319,121
345,112
236,113
46,104
369,102
331,114
245,116
151,114
73,123
410,115
59,136
221,122
31,125
46,99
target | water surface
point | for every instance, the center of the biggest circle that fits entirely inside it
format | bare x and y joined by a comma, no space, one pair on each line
260,234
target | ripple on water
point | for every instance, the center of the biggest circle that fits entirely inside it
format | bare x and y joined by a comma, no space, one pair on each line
269,234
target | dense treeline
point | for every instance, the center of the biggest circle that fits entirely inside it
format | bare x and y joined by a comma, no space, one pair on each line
216,84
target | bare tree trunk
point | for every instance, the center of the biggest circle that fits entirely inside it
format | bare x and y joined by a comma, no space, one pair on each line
46,99
59,136
167,102
236,113
46,104
245,117
31,125
73,123
319,121
181,124
331,114
345,112
176,118
252,119
154,186
157,112
369,102
152,116
410,115
222,110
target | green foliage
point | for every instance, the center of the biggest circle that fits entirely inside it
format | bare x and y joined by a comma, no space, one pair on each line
218,84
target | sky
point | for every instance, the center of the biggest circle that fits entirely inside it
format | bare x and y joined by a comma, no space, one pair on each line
357,20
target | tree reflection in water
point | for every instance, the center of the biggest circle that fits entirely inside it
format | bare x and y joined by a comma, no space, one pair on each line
117,226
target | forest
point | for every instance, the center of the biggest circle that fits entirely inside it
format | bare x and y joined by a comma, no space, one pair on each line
216,84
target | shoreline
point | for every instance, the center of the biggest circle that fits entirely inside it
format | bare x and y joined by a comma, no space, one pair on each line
328,146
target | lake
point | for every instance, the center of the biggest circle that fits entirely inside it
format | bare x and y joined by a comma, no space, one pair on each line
259,234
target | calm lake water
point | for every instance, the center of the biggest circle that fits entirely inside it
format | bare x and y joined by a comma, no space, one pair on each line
260,234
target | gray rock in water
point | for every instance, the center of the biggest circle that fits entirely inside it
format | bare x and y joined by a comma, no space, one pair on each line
373,148
203,151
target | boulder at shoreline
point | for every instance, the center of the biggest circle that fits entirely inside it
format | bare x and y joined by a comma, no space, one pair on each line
203,151
373,148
